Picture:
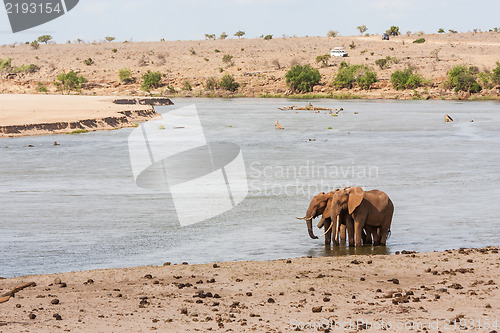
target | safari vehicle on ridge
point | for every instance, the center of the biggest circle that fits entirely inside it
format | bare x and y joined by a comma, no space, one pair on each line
338,52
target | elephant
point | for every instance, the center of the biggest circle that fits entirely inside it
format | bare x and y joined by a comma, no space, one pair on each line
321,205
371,210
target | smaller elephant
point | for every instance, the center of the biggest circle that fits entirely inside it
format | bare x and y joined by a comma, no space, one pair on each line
371,210
321,204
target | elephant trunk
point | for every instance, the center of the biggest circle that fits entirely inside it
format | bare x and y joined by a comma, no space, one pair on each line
310,229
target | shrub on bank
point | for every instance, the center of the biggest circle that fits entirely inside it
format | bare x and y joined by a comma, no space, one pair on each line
150,80
229,83
406,79
125,75
70,81
463,78
302,78
348,75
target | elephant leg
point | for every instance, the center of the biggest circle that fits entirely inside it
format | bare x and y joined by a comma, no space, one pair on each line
328,236
366,236
383,234
350,229
342,233
358,229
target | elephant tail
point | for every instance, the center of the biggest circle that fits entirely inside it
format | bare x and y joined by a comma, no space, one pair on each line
388,233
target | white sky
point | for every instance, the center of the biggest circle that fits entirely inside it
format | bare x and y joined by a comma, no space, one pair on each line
151,20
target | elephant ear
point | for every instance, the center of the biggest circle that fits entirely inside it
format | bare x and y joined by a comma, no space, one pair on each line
355,197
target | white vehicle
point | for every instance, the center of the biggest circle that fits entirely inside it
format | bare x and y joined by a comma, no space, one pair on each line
338,52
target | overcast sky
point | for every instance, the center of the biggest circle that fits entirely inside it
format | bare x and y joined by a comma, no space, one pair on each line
151,20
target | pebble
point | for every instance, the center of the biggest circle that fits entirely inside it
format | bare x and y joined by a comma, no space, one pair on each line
57,316
317,309
270,300
54,301
32,316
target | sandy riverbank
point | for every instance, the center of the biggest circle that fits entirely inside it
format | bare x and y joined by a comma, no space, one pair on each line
55,114
439,290
258,65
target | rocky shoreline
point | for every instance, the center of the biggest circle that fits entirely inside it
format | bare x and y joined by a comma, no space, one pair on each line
449,290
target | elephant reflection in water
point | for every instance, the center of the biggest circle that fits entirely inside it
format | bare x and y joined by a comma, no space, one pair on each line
364,215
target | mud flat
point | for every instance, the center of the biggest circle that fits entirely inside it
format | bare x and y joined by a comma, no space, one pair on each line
436,291
22,115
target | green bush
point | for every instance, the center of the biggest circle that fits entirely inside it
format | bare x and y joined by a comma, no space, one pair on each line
462,78
441,30
495,76
302,78
381,63
211,83
150,80
187,86
125,75
41,88
406,79
419,41
347,75
70,81
34,45
6,65
109,39
31,68
227,59
268,37
323,59
366,79
229,83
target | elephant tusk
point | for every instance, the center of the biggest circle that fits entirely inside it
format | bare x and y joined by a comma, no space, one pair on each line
327,230
337,226
300,218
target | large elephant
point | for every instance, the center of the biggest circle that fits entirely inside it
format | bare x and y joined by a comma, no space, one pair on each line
371,210
321,204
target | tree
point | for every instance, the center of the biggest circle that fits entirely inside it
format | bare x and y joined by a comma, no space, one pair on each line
268,37
44,38
109,39
441,30
323,59
332,33
302,78
209,36
150,80
223,35
239,34
362,28
393,31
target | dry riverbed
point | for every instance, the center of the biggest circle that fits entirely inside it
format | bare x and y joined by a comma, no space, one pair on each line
436,291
